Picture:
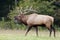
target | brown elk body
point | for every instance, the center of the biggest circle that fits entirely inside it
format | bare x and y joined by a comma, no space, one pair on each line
34,20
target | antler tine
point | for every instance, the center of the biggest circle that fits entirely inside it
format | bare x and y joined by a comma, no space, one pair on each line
31,7
26,9
32,10
21,10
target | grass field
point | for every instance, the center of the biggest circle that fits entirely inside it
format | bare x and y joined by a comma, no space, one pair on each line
19,35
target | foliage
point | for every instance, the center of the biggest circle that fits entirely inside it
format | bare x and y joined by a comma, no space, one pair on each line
41,6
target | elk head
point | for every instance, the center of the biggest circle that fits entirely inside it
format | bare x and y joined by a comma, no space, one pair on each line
18,18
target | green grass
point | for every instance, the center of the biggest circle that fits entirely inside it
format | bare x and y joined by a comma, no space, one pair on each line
19,35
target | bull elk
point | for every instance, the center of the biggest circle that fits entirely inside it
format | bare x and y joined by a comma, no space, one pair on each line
35,20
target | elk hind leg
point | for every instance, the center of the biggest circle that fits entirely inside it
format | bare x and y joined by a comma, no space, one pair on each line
36,30
50,29
53,30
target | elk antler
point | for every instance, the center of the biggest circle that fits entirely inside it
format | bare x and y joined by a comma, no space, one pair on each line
21,10
29,10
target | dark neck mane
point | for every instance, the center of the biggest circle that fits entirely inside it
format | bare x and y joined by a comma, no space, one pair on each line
24,19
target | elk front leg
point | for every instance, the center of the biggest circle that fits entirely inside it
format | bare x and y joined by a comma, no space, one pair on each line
29,28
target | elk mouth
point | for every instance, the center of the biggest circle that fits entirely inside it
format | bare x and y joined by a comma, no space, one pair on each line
16,21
